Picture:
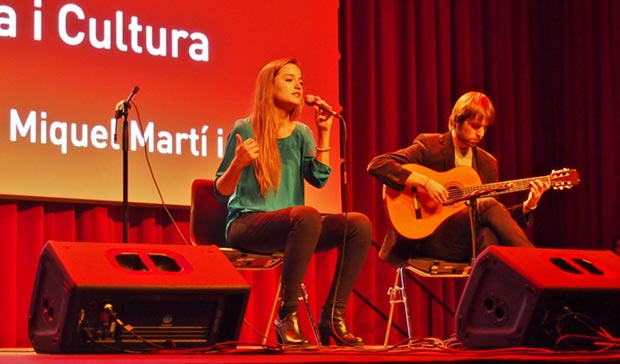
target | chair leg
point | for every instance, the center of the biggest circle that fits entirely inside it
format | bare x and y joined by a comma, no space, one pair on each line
272,313
397,294
405,303
392,296
304,297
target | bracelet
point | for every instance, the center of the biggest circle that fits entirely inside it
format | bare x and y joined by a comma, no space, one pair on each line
323,149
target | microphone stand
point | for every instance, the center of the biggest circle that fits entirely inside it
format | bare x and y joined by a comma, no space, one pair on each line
471,200
125,176
122,109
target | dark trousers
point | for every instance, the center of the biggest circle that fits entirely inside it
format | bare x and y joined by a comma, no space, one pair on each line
299,232
452,239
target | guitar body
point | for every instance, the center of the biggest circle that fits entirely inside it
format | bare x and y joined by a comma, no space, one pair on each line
413,213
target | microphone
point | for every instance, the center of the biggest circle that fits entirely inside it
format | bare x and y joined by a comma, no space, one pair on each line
132,94
122,105
312,100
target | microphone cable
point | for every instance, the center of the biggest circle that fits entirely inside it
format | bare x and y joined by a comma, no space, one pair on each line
154,179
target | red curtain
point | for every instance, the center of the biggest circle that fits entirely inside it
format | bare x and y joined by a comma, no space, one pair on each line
552,71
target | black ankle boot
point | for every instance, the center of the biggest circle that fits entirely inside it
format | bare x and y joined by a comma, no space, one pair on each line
336,328
288,331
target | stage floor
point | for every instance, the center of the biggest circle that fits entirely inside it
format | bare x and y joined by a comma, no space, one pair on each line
366,354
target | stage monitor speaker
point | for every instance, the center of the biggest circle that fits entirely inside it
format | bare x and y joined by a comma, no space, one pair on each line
533,296
113,297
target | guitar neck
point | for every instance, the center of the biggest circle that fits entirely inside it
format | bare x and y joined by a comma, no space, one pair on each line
496,188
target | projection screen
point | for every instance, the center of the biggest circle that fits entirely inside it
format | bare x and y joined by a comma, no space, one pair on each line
65,65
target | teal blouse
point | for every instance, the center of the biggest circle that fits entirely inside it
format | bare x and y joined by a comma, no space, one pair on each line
299,163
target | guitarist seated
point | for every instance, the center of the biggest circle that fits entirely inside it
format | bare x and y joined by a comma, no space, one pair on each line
425,173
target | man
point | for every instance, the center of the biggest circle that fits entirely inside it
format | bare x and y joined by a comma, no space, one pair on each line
471,115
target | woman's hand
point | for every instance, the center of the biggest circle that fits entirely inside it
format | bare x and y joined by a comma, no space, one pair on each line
245,151
322,118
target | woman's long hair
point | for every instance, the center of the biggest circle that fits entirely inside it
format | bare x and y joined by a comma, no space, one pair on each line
267,165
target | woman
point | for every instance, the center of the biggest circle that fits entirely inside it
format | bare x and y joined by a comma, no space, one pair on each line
268,156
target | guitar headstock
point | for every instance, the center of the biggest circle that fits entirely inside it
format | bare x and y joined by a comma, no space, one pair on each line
564,179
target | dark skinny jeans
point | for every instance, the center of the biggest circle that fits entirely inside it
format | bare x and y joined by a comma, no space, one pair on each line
299,232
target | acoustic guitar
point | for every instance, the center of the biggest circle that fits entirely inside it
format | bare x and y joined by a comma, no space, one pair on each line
415,215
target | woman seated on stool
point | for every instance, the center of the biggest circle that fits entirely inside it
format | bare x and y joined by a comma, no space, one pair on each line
268,156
